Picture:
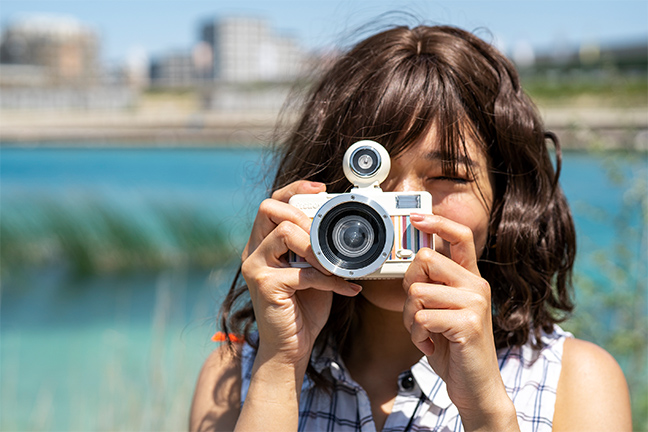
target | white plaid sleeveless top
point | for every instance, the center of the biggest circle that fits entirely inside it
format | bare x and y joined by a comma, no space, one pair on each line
422,404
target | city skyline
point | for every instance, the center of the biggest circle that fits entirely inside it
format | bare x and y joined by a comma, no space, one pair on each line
144,27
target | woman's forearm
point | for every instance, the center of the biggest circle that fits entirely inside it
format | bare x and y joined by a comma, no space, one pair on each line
272,401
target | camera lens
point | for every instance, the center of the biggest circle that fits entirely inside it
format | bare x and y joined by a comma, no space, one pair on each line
353,236
365,161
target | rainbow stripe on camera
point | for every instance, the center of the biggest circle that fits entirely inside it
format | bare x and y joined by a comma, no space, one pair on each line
407,237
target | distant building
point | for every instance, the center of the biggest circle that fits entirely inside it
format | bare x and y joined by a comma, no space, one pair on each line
246,49
66,50
628,57
175,69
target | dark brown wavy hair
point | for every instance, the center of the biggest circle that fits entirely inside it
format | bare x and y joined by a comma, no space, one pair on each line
393,87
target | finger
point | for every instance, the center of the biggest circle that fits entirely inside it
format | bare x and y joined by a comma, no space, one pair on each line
298,187
312,278
271,213
440,297
459,237
290,280
274,210
284,238
427,296
429,323
420,335
457,326
432,267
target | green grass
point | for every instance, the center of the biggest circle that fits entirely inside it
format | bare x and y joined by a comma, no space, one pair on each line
91,237
581,91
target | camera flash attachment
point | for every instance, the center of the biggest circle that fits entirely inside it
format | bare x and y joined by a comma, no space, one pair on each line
366,163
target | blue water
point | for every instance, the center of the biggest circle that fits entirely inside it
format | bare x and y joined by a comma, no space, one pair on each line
122,351
217,179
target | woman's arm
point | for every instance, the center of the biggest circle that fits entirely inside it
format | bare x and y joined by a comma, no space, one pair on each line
291,305
272,400
217,398
592,393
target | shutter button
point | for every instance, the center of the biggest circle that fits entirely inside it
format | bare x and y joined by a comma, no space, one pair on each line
407,381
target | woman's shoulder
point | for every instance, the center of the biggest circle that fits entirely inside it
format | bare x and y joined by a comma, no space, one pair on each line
217,398
592,392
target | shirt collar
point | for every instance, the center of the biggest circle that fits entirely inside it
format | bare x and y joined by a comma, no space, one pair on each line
432,386
330,364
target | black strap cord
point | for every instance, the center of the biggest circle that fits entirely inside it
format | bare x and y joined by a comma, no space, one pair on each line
411,420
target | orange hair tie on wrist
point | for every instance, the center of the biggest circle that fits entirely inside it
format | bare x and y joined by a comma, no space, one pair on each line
224,337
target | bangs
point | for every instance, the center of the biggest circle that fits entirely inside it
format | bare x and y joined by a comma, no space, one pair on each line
411,100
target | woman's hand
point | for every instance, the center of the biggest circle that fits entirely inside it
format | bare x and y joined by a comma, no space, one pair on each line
448,313
291,305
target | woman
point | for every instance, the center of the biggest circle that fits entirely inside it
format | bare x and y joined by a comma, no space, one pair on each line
469,337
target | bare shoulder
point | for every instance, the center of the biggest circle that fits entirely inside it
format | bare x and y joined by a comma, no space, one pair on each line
592,391
217,398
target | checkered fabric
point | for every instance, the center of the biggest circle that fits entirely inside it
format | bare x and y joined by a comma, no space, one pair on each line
422,404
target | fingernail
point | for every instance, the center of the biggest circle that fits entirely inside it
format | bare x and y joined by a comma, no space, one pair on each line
416,217
317,185
356,287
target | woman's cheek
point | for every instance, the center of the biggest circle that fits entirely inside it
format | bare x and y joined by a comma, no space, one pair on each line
467,211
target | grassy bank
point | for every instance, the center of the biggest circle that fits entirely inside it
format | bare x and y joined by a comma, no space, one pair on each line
92,237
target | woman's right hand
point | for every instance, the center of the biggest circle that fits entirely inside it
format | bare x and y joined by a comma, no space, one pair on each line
291,305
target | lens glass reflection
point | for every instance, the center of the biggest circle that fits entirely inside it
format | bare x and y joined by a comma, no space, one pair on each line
353,236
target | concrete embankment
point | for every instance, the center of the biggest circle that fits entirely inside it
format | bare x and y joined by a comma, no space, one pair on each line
578,128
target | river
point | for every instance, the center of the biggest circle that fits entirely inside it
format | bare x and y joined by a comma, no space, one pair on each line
91,339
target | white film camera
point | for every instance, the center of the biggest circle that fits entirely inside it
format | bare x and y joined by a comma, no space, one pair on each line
365,233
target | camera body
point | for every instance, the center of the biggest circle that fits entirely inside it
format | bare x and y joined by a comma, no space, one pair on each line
365,233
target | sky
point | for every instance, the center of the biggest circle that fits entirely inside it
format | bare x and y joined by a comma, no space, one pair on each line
156,27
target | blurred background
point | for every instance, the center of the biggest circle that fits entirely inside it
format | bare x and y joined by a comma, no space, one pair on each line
133,155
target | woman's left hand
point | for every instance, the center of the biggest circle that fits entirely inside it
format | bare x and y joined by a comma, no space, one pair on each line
448,313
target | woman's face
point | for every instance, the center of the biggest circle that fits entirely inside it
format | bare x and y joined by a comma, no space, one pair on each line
465,198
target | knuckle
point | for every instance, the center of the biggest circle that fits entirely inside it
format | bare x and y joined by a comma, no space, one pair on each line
481,303
424,254
266,206
416,290
246,270
285,229
255,275
473,319
419,318
465,233
483,286
262,278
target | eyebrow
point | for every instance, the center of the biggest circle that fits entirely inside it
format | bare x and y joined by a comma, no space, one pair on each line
463,159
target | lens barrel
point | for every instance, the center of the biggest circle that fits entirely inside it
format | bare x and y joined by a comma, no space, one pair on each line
352,235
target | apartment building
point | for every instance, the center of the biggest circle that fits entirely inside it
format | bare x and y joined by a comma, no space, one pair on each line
63,49
247,49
